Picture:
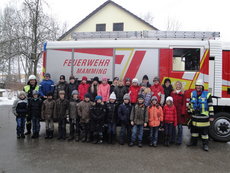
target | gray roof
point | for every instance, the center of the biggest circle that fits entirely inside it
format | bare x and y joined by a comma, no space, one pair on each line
98,9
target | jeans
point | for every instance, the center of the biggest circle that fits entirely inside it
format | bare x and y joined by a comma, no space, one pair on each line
154,134
62,128
112,128
49,124
20,125
35,124
179,133
125,130
85,127
137,129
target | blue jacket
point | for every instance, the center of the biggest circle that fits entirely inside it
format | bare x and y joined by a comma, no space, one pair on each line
45,87
124,112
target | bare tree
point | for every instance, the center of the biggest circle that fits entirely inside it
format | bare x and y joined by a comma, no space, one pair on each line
173,24
148,17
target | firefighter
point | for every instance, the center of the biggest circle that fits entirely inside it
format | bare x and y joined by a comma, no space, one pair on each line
28,89
202,112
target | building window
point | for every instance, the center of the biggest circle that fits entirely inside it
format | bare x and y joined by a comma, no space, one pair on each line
100,27
118,27
186,59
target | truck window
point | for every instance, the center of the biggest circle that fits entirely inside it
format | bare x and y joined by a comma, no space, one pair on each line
186,59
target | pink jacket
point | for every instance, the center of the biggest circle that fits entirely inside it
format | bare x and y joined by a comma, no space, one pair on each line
104,92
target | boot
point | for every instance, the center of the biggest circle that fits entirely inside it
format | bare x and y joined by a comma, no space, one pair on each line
131,144
77,139
34,135
140,144
167,141
100,141
110,138
28,128
113,139
84,139
95,139
51,134
47,134
205,147
37,134
88,138
22,136
71,138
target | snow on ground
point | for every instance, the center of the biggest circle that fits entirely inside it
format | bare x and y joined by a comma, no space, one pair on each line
8,97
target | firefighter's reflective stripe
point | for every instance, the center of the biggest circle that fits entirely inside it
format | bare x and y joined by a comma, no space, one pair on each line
195,135
200,124
27,88
204,136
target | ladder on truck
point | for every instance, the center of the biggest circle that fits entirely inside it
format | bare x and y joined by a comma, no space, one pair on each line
158,35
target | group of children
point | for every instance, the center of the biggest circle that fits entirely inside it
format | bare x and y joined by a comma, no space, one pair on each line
94,111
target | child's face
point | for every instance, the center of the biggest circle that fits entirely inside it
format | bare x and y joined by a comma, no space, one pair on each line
169,102
95,82
167,84
87,99
50,97
112,100
104,81
120,83
72,81
99,101
145,81
154,102
140,101
115,82
62,96
22,97
84,81
35,96
47,78
126,101
135,84
156,82
127,83
75,96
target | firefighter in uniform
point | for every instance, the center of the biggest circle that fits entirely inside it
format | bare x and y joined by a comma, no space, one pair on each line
29,88
202,112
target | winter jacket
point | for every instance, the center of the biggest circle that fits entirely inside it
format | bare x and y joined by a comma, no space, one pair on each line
139,114
73,109
147,97
93,91
83,89
97,112
155,114
179,102
48,107
111,112
61,86
170,115
70,88
120,91
167,91
61,108
158,91
29,89
104,92
35,106
20,107
45,87
124,112
134,90
112,87
84,111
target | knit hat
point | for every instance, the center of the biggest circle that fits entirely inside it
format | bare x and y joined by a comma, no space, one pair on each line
115,78
35,92
98,98
71,77
141,97
156,79
22,93
112,96
127,79
75,92
154,98
47,75
135,80
96,79
87,95
126,97
169,98
104,78
145,77
84,78
62,92
62,77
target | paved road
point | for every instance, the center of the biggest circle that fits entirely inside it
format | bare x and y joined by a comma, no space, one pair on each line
40,155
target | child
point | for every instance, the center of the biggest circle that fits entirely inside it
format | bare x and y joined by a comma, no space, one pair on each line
48,114
97,116
61,85
120,91
124,111
94,88
146,93
84,113
167,87
139,120
127,83
158,91
145,80
35,105
170,119
61,111
114,84
83,88
111,116
179,101
155,114
73,85
20,109
134,90
74,125
46,86
104,90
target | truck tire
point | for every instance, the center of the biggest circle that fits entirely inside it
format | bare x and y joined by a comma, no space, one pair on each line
220,127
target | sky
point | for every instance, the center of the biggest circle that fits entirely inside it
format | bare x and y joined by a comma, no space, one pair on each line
192,15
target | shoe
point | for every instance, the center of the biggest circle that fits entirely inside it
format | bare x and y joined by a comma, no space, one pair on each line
100,141
77,139
139,144
64,138
154,144
28,133
34,136
131,144
83,139
71,138
121,143
23,136
150,144
205,147
51,134
178,143
37,135
167,144
59,138
18,136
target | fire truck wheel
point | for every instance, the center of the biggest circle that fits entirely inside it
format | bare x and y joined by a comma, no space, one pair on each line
220,127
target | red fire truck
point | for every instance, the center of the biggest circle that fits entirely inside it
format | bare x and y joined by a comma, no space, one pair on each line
183,56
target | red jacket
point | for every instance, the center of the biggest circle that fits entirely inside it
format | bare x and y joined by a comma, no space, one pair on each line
180,104
158,91
104,92
170,115
134,90
83,89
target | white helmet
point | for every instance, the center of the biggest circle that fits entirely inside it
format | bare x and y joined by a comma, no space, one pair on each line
200,82
135,80
32,77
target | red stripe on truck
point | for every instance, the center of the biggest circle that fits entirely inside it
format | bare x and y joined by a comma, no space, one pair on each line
119,58
135,64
